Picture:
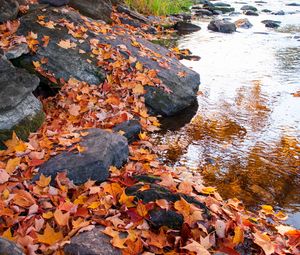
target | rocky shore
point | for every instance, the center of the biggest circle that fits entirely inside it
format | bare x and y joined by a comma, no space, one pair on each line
82,86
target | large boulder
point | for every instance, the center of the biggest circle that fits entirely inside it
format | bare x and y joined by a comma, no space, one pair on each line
93,242
20,111
9,248
223,26
65,63
102,149
96,9
8,10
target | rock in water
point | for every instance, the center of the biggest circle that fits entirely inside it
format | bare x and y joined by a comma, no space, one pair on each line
186,27
96,9
243,23
130,128
20,111
9,248
250,13
222,26
8,10
102,149
65,63
248,8
271,23
56,3
93,242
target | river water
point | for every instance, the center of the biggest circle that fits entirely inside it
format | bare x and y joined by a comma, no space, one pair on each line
245,135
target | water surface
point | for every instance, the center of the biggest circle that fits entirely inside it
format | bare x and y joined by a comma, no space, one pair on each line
245,136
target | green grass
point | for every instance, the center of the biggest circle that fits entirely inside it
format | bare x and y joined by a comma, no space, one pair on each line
159,7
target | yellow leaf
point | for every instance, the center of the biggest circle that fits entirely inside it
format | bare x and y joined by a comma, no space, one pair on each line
15,144
12,164
61,218
238,235
267,209
126,200
94,205
141,209
138,89
43,181
47,215
209,190
7,234
139,66
50,236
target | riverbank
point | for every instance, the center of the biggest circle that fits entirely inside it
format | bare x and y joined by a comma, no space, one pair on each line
110,78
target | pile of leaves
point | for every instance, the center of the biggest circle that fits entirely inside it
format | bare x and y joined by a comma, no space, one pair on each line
43,216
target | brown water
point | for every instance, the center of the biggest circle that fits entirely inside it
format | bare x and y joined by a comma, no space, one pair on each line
245,135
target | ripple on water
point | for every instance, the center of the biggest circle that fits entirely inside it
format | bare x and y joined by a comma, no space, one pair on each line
245,136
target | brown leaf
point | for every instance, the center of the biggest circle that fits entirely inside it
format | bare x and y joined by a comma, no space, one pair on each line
264,241
196,247
61,218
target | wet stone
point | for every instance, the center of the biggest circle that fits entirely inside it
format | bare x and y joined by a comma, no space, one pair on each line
130,129
222,26
8,247
251,13
186,27
248,8
243,23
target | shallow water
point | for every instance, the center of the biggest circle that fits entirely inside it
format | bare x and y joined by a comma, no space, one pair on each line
245,136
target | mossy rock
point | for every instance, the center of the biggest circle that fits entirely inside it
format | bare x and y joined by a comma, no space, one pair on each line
23,129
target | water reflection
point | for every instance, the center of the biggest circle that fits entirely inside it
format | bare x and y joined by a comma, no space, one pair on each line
245,138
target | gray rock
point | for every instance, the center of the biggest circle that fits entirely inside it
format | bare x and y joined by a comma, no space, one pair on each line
278,13
8,10
248,8
222,26
17,51
93,242
8,247
223,9
66,63
102,150
170,219
63,63
250,13
260,2
186,27
132,14
20,111
221,4
131,129
243,23
293,4
271,23
15,83
266,10
203,12
56,3
96,9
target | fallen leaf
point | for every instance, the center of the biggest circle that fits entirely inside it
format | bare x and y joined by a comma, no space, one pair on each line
43,181
50,237
196,247
4,176
264,241
61,218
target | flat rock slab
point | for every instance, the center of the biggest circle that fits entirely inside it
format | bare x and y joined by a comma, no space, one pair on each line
8,247
102,150
8,10
91,243
66,63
